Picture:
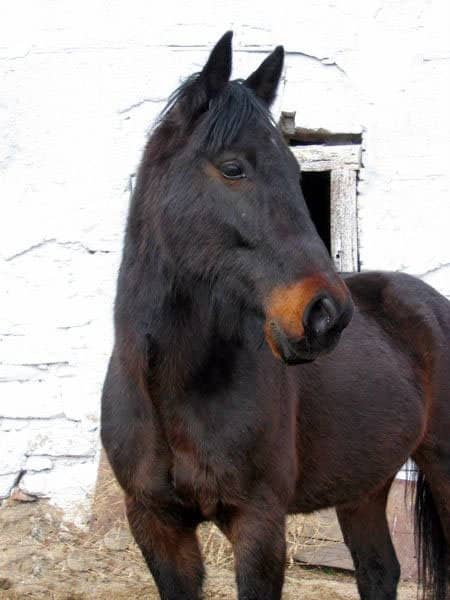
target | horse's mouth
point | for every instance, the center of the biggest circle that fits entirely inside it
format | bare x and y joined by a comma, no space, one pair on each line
298,351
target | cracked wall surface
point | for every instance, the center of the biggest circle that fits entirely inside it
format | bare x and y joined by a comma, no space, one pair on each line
81,87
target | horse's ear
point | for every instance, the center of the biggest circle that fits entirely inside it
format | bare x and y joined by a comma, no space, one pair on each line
192,98
264,81
216,73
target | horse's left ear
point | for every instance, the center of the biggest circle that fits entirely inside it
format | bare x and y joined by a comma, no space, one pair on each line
264,81
216,73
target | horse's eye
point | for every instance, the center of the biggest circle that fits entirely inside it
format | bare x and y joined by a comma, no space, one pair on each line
232,169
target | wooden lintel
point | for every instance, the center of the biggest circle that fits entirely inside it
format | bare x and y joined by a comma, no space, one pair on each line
328,158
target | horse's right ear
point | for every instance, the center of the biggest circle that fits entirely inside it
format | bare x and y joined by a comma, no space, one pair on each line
264,81
216,73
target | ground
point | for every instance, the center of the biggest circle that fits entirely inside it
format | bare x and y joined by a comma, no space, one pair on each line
41,557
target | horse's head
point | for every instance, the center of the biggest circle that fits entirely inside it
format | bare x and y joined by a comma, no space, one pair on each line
227,208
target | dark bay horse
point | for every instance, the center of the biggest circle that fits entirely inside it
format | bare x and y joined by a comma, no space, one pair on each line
223,400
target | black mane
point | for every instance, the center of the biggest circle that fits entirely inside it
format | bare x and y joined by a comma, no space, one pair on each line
219,120
228,113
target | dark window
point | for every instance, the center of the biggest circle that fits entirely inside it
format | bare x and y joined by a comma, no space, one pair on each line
316,190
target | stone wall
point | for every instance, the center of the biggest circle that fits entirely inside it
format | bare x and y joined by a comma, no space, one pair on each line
81,85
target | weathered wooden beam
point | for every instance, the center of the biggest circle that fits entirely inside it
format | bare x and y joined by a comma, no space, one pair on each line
344,222
328,158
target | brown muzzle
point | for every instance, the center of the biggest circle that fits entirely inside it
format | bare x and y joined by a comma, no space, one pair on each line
305,319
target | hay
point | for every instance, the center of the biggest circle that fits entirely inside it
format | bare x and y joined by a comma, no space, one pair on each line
44,558
108,514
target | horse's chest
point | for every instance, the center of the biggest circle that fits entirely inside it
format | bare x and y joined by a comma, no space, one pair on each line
195,483
204,473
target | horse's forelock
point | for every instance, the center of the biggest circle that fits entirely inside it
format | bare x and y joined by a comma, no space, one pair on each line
215,123
227,116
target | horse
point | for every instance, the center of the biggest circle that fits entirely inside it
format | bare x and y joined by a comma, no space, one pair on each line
248,379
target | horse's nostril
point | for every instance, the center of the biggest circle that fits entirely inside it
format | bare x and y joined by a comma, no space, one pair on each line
320,316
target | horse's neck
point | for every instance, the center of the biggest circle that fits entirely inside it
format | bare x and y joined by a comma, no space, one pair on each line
196,340
189,334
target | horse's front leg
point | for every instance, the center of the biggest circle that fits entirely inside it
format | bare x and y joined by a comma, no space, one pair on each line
258,539
170,550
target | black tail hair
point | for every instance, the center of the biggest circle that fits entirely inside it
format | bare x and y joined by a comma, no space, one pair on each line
431,546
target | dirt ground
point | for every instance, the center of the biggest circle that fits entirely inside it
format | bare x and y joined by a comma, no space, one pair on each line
41,557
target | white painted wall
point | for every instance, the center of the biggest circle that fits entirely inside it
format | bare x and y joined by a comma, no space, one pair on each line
80,86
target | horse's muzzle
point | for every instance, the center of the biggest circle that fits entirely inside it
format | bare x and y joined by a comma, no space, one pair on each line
299,330
323,325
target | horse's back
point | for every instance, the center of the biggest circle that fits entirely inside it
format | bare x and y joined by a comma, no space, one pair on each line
400,297
371,286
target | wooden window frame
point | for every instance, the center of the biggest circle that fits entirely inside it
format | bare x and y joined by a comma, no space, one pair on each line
340,154
343,163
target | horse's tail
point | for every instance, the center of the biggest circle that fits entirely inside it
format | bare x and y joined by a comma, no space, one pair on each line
432,550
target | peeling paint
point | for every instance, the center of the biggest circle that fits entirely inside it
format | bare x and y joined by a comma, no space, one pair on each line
140,103
75,325
30,249
434,269
65,244
323,60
